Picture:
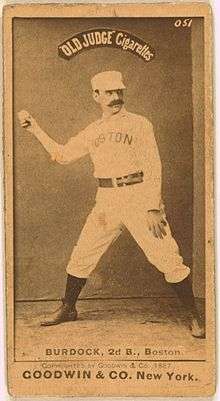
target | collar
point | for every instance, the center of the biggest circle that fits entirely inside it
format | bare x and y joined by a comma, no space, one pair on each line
122,113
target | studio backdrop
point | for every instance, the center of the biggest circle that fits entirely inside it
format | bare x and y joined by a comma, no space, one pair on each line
51,202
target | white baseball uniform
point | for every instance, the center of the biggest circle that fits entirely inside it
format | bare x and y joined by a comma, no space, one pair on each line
119,145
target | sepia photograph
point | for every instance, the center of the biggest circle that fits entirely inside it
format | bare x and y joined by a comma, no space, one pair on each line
106,176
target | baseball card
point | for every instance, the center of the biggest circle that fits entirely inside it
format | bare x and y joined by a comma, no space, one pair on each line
108,178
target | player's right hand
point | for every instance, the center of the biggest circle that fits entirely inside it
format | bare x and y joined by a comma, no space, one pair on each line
27,121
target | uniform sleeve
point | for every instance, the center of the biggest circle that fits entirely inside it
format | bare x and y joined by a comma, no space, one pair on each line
74,149
150,163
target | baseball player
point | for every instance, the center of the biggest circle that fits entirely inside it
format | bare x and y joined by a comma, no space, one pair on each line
127,168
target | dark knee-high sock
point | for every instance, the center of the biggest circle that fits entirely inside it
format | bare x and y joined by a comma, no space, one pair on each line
74,285
184,291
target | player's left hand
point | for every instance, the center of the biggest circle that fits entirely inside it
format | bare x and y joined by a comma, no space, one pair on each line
156,223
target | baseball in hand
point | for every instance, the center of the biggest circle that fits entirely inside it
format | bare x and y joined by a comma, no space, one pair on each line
26,120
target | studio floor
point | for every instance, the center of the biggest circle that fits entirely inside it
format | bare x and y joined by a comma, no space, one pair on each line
157,324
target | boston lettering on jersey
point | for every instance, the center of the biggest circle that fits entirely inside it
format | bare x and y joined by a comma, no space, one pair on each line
105,37
117,137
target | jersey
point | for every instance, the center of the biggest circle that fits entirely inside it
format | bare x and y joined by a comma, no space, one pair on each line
119,145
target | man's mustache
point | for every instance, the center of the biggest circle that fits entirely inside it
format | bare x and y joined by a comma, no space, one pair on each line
116,102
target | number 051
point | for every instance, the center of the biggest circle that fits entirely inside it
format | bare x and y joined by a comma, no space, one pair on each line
184,23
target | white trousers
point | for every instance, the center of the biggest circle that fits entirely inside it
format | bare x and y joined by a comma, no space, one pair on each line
114,209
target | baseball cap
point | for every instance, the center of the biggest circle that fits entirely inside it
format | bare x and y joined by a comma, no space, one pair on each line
107,80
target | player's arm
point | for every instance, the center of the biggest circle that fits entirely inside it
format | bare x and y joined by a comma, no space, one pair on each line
152,169
63,154
151,164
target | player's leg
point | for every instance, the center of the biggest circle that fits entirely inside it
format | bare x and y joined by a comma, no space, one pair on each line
98,233
164,255
67,311
184,291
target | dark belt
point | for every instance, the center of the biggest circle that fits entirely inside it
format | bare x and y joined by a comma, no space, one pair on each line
129,179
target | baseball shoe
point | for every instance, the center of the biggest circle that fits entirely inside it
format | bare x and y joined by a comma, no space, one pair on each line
196,327
64,314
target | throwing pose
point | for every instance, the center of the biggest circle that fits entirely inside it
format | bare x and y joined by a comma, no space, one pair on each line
127,168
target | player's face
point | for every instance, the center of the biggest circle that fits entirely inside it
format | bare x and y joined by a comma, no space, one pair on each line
110,100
